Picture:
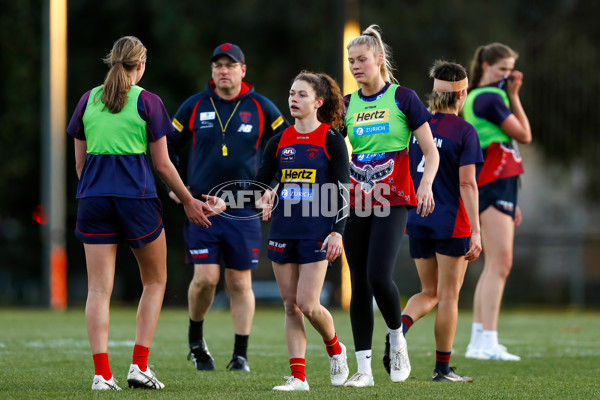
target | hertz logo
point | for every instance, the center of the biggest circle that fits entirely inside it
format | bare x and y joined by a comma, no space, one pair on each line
369,117
299,175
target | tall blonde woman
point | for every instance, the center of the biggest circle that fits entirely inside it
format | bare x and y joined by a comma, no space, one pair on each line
112,127
379,119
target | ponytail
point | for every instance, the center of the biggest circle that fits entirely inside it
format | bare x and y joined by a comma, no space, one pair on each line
126,54
491,54
327,88
371,37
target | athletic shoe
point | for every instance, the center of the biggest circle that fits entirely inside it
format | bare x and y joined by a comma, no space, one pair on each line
399,363
439,376
201,357
473,352
293,384
144,380
360,379
99,383
498,352
386,353
338,367
238,364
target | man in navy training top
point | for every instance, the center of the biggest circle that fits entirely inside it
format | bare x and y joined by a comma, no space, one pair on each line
228,124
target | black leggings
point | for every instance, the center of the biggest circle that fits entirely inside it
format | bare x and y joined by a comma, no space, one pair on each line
372,245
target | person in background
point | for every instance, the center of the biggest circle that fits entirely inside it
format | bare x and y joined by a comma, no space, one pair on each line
494,108
228,125
112,126
379,119
310,162
443,243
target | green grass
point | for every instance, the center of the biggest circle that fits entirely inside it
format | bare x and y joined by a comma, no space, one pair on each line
46,355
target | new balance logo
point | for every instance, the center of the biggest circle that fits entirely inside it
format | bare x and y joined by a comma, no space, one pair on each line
245,128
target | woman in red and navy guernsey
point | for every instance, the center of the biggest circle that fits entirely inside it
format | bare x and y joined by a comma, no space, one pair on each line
494,108
443,243
112,127
310,162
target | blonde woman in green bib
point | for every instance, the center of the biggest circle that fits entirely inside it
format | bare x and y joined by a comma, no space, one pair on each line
379,119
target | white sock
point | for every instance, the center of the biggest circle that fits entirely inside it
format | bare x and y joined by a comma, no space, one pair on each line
363,359
489,339
476,333
396,338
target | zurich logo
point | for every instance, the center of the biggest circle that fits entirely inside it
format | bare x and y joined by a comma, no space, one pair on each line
359,131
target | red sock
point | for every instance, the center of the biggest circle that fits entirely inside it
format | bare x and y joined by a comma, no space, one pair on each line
297,365
140,356
407,322
333,346
101,365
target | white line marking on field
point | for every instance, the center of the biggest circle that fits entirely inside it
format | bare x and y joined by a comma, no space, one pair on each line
70,343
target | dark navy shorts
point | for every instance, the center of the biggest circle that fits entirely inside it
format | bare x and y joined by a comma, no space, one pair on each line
500,194
234,235
296,251
108,220
427,248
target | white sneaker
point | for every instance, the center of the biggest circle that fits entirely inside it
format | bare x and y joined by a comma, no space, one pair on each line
498,352
99,383
292,384
360,379
338,367
144,380
399,363
473,352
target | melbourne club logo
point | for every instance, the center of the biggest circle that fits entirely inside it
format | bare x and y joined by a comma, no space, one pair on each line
368,175
245,116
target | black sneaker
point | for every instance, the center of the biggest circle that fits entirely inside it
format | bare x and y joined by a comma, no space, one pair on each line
386,353
201,357
439,376
238,364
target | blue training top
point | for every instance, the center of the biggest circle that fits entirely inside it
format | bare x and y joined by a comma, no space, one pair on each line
458,145
243,125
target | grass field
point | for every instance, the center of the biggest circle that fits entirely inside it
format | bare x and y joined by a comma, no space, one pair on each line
45,355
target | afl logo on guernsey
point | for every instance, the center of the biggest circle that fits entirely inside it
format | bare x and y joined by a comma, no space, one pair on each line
288,154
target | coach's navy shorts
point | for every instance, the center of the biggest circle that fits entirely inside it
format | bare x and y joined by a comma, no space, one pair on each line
500,194
234,235
426,248
108,220
296,251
